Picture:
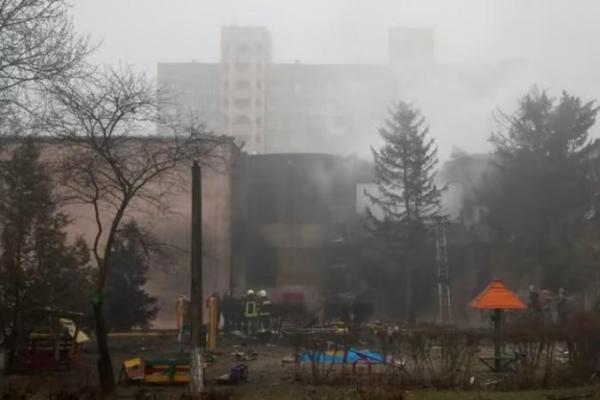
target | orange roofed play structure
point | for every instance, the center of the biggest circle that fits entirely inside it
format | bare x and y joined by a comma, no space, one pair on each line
497,297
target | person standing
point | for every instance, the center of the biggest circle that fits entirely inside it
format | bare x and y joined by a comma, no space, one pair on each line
250,313
534,304
562,306
227,311
265,311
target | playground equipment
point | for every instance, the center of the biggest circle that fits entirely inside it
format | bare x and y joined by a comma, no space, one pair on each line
497,298
182,309
54,342
213,322
155,371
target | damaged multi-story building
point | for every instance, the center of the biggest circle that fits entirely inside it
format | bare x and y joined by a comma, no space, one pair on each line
292,204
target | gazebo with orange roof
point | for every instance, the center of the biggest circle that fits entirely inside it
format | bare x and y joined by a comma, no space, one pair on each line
497,297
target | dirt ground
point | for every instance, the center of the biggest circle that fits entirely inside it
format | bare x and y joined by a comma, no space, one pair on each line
269,378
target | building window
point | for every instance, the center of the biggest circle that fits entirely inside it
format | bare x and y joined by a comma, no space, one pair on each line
241,120
243,102
242,85
242,66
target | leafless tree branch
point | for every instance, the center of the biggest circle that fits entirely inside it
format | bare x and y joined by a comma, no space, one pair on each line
112,160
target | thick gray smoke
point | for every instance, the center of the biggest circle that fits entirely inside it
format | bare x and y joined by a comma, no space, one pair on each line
489,52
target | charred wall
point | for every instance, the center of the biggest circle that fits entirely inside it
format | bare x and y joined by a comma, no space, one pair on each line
294,218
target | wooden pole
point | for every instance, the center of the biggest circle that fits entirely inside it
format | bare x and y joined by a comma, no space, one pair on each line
198,337
497,340
213,314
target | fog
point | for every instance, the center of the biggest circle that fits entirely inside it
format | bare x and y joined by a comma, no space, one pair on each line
310,176
508,46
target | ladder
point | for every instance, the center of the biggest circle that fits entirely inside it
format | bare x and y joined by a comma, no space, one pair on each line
445,307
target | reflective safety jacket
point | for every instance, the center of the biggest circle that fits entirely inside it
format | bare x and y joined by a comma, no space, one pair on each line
251,309
265,307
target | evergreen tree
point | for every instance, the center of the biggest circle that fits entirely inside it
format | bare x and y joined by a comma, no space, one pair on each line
38,268
538,200
407,201
128,304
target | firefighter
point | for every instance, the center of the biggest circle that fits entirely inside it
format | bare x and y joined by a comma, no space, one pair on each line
250,313
227,305
237,309
546,300
265,310
563,305
535,304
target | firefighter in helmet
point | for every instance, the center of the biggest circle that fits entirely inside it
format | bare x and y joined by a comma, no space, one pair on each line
265,310
250,313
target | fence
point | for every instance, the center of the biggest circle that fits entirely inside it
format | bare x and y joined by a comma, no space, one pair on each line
534,355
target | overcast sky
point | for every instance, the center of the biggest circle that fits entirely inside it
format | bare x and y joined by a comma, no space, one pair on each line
559,39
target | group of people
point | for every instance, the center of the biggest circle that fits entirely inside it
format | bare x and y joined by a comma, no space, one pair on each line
548,308
251,314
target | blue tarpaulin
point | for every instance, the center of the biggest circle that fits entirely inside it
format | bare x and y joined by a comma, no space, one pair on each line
338,357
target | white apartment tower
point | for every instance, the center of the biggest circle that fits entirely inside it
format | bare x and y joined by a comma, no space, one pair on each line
245,58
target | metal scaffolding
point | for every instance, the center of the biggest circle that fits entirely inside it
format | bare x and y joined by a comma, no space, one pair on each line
445,306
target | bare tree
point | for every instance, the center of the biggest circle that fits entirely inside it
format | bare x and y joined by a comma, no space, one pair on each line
37,43
112,161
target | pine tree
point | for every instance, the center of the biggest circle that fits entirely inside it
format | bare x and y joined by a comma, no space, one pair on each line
38,268
538,202
128,304
407,200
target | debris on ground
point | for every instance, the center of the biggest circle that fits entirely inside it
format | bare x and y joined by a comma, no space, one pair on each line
237,374
289,359
238,334
248,355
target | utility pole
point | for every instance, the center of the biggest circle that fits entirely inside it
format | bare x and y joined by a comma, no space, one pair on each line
198,338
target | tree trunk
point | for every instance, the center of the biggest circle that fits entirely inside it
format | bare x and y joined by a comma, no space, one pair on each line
13,339
410,315
105,367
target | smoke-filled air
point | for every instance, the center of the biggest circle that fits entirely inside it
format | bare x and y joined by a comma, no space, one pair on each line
286,199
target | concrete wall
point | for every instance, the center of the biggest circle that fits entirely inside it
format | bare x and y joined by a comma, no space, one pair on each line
172,225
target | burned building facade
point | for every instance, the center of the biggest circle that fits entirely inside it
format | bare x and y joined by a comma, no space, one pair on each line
294,218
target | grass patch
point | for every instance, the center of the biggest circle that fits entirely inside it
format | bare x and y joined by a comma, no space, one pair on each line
476,395
325,393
